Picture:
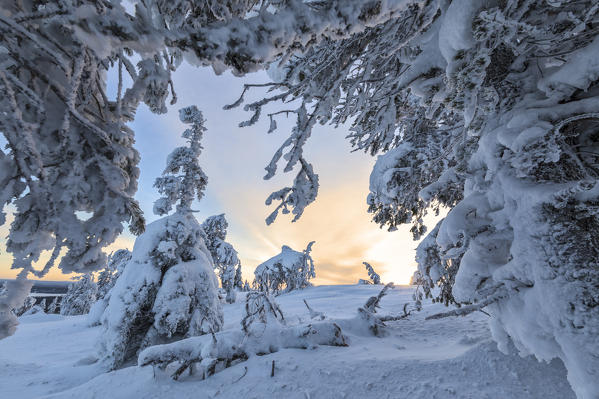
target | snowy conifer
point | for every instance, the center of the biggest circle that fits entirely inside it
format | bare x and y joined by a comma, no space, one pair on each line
223,254
168,290
286,271
374,277
80,296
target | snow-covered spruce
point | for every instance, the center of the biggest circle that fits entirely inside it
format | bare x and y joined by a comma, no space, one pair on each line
80,296
224,256
286,271
263,331
374,277
168,290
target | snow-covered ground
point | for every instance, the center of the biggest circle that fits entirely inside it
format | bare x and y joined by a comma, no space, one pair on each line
53,356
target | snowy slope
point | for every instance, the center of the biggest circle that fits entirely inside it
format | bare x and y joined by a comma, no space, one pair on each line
448,358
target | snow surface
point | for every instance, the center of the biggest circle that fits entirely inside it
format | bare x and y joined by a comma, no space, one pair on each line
53,356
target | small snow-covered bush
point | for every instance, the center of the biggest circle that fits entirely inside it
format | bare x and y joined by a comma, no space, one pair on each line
286,271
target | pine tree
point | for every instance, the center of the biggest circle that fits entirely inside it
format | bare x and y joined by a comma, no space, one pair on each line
168,290
223,254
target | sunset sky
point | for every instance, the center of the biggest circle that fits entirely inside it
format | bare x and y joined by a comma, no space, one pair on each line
234,159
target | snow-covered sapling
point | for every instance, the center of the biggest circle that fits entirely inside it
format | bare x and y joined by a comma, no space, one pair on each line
54,306
106,280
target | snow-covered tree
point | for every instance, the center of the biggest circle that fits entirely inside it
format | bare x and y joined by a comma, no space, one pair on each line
168,290
80,296
223,254
374,277
286,271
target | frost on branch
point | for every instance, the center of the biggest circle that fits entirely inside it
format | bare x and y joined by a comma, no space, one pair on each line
263,331
286,271
224,256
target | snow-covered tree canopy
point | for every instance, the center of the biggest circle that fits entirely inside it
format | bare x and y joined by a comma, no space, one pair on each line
288,270
223,254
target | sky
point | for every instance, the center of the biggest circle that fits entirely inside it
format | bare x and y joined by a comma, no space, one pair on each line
234,159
